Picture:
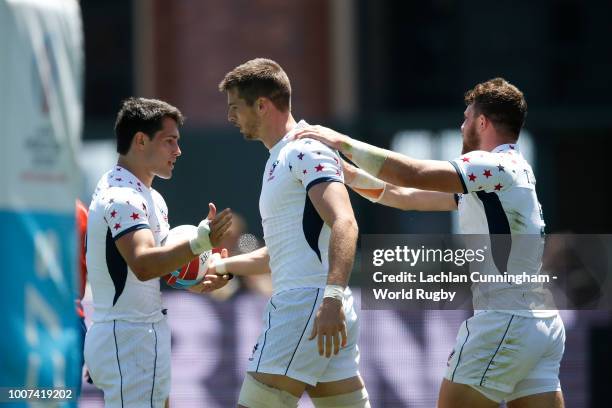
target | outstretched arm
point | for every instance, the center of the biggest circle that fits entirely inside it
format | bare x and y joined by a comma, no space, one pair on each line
253,263
407,199
149,261
391,195
395,168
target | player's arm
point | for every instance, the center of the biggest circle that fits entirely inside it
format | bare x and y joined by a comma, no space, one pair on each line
388,194
333,205
254,263
149,261
331,201
406,198
392,167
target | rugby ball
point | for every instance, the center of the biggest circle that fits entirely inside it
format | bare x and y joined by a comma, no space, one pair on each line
193,272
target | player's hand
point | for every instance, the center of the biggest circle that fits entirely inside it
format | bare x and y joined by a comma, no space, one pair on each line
213,263
328,136
329,327
219,224
211,230
212,281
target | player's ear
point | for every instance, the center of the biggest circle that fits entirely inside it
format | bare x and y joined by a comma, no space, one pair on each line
261,104
482,121
140,140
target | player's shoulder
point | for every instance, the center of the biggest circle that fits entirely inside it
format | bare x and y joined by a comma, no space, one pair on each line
476,156
156,195
479,158
116,198
158,199
122,192
308,146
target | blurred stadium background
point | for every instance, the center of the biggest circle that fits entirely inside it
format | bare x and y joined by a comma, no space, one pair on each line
389,72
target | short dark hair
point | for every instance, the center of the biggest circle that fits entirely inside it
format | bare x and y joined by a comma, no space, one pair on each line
501,102
260,77
142,115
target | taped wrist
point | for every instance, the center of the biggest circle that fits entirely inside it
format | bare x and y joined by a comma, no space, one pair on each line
334,291
201,242
220,266
369,158
368,186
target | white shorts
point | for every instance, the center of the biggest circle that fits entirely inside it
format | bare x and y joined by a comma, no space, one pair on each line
130,362
506,356
283,348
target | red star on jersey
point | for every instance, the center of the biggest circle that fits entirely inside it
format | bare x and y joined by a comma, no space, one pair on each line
472,177
487,173
113,213
465,159
498,187
117,226
135,216
319,168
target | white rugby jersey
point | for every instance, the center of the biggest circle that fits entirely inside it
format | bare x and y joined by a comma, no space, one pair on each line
500,200
296,237
121,204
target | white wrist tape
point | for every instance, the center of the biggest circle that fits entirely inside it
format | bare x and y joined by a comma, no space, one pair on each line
201,242
334,291
368,157
220,266
368,186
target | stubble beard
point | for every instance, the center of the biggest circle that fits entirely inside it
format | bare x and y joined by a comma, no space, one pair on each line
471,140
250,132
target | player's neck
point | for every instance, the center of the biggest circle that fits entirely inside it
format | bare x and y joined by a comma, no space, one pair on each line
278,129
488,144
140,172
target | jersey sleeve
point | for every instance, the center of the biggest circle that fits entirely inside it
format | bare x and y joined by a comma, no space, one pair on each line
311,162
483,171
125,212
